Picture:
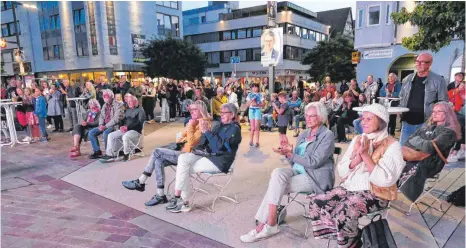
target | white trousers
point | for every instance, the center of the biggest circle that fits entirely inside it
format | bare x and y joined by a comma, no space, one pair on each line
114,142
283,181
189,163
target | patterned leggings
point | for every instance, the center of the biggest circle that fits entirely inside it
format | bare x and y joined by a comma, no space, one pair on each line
160,158
335,214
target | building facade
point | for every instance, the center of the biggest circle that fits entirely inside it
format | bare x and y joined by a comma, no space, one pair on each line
378,40
228,32
340,21
81,40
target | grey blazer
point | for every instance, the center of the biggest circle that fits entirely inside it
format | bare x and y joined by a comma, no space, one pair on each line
318,160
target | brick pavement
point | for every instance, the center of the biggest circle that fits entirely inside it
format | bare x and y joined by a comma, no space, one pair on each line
40,210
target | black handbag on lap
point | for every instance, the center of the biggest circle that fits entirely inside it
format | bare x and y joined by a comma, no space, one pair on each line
377,234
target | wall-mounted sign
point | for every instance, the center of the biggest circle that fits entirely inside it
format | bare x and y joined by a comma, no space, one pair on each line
355,57
377,54
139,44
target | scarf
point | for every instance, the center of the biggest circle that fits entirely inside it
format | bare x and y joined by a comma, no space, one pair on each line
374,140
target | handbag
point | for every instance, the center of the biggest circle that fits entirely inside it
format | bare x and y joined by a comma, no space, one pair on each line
387,193
175,146
377,234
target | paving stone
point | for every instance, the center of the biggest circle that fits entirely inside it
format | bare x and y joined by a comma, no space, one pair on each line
117,238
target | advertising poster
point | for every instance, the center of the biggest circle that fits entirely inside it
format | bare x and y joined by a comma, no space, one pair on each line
139,44
272,46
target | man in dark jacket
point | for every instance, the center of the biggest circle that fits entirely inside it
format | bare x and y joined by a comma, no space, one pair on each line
215,153
71,92
123,86
130,131
101,85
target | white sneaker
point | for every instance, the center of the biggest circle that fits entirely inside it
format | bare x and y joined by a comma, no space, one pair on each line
460,154
452,158
253,235
49,126
27,139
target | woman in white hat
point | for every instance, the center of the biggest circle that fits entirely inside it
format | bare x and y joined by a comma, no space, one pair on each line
369,171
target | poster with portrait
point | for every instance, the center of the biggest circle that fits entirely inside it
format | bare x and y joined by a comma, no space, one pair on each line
272,46
139,44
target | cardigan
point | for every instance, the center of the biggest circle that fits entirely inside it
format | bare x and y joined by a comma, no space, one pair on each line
385,173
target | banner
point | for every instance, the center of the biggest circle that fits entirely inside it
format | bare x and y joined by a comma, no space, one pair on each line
139,44
271,13
272,46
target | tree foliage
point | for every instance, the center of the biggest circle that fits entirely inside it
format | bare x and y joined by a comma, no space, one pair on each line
331,58
174,58
438,23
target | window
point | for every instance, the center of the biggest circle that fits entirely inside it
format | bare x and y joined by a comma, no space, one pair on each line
203,19
304,33
256,32
45,53
6,5
79,19
360,17
297,31
213,58
312,35
226,35
248,33
168,4
257,54
7,56
168,25
226,57
318,36
81,49
289,29
192,20
56,51
55,22
241,33
249,55
387,14
242,55
8,29
374,15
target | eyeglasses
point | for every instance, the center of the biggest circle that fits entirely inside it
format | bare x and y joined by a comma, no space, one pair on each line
193,109
310,116
226,112
422,62
436,112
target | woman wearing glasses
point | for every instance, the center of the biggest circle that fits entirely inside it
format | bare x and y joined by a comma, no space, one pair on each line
161,157
312,171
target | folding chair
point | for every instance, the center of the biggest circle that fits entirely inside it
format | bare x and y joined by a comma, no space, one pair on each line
204,178
337,152
428,191
133,146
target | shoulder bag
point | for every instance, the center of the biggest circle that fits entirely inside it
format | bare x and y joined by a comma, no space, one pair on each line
387,193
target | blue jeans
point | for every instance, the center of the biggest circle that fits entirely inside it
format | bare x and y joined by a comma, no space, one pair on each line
93,133
267,118
297,119
42,128
407,130
357,126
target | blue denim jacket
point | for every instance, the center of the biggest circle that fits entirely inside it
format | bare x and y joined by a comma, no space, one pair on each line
396,91
41,107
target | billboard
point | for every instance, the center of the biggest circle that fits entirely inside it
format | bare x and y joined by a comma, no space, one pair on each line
271,13
272,46
139,44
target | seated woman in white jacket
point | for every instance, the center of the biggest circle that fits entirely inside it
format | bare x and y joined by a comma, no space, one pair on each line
369,171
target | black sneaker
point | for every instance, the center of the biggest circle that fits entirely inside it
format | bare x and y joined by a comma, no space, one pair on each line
181,208
125,158
173,203
134,185
96,155
156,199
55,131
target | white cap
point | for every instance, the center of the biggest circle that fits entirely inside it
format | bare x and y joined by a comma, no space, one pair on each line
379,110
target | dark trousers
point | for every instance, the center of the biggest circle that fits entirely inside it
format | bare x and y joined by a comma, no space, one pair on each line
392,125
49,120
58,121
148,104
172,107
341,122
461,141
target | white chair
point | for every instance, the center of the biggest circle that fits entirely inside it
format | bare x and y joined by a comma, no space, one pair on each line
205,177
134,146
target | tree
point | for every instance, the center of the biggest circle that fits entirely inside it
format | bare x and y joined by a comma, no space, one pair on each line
174,58
331,58
438,22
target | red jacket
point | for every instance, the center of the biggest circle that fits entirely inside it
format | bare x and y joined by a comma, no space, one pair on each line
457,98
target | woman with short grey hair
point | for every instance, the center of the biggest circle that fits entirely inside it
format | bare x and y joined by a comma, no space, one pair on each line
312,171
231,107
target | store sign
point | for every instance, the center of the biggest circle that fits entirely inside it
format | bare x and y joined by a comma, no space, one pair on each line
259,73
139,44
355,57
378,54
